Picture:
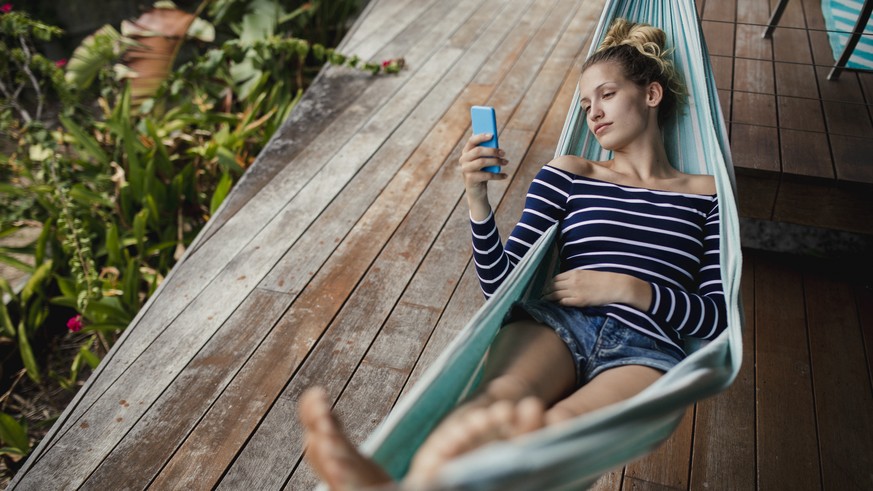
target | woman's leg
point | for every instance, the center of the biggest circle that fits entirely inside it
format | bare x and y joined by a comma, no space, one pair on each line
527,361
528,368
608,387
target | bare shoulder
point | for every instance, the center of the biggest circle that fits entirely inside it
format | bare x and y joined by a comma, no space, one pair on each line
700,184
572,164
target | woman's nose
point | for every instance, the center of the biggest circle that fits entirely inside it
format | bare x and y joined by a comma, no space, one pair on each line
594,112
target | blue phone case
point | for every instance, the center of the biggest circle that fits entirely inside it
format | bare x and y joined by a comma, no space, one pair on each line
485,121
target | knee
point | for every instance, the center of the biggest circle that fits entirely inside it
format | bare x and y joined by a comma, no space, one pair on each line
510,387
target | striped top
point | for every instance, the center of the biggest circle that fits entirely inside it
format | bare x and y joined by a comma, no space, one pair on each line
668,239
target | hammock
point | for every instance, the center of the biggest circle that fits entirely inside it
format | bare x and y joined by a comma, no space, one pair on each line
575,454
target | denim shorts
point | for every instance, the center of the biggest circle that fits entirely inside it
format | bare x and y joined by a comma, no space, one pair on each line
598,342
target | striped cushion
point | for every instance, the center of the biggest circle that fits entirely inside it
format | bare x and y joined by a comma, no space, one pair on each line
840,18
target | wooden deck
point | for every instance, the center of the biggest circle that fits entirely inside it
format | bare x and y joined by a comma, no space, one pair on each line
342,259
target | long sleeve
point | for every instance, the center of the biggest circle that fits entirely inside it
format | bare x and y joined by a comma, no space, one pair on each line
545,204
702,314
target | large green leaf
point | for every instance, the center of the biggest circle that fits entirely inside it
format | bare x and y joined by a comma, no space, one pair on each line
14,434
85,141
95,52
221,190
27,354
34,283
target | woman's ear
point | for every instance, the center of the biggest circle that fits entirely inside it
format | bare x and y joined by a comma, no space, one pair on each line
654,94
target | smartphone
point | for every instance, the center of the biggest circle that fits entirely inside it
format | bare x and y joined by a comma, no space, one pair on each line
484,121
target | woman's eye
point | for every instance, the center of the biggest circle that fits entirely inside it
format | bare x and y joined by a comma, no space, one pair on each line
585,108
608,95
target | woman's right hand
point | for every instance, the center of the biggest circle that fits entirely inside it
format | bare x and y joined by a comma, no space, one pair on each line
474,158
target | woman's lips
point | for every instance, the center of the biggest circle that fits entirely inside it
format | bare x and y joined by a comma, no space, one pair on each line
598,128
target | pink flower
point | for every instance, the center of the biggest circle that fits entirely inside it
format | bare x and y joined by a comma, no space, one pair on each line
61,63
75,323
6,8
386,63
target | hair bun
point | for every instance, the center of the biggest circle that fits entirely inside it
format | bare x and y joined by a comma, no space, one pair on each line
647,39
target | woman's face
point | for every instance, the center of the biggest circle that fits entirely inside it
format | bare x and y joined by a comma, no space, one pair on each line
618,110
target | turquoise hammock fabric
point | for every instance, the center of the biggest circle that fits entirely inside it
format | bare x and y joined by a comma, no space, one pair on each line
574,455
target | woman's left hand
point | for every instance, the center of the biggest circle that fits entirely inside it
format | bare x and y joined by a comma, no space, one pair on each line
586,288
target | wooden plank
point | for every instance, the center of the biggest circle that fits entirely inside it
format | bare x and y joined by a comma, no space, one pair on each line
848,119
635,484
154,438
668,465
791,45
787,457
796,113
754,76
724,10
834,206
181,342
377,381
813,15
806,153
391,25
719,37
756,194
197,271
723,70
852,158
795,79
750,44
792,16
611,481
755,147
753,12
724,429
754,108
843,399
844,89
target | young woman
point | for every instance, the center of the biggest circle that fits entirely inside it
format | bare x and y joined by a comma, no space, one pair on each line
639,246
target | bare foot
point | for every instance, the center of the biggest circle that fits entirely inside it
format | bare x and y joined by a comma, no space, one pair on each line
500,421
330,452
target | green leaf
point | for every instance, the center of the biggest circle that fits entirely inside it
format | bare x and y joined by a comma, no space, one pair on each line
27,354
36,280
42,241
85,141
113,247
87,197
227,160
201,30
131,285
92,54
88,356
221,190
108,309
6,321
139,228
14,262
14,434
67,286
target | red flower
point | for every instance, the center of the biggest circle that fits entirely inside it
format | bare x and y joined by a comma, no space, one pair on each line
75,323
6,8
386,63
61,63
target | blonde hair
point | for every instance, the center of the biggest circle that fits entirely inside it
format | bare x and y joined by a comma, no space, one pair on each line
639,49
